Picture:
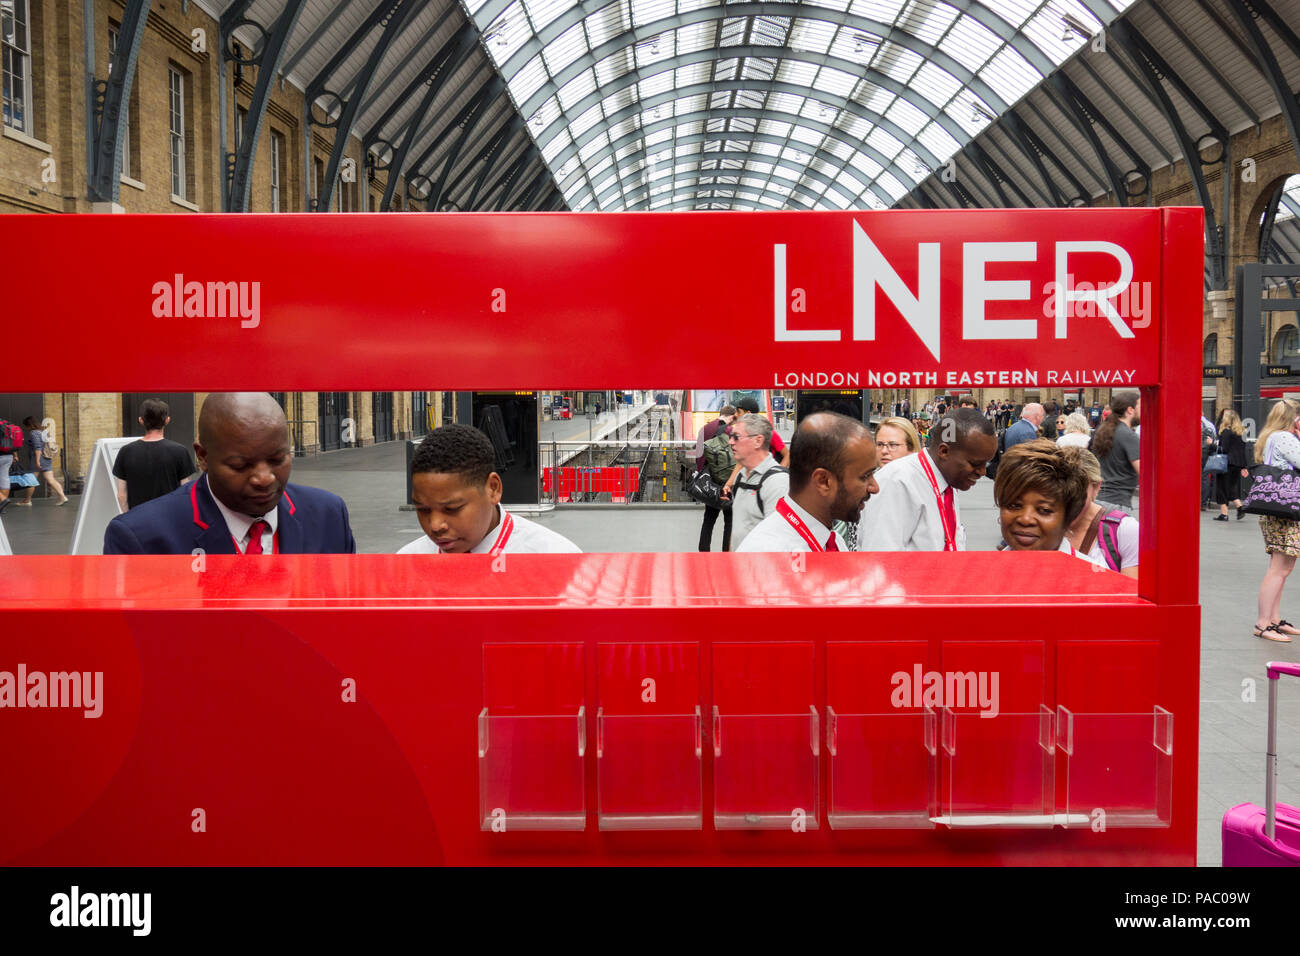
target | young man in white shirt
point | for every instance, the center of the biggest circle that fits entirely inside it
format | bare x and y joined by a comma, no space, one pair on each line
916,508
457,497
832,466
762,482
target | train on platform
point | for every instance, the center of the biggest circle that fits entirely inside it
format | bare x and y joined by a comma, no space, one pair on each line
698,407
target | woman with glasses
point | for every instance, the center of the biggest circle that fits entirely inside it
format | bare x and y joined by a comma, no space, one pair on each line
896,438
1074,431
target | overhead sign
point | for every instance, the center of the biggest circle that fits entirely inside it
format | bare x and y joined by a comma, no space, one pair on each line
917,298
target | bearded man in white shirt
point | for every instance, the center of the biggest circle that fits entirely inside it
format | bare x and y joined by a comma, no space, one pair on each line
832,467
916,508
457,496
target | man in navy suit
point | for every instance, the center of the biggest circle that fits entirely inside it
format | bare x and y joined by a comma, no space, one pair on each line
244,503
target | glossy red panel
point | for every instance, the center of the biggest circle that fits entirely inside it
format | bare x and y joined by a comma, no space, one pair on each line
552,580
649,678
1108,677
763,678
532,678
1013,671
238,302
863,677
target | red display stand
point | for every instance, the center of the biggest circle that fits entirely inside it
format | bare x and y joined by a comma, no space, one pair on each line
970,708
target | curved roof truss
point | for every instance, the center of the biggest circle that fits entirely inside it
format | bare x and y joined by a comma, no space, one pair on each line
909,81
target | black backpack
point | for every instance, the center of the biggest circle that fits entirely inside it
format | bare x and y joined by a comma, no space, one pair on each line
757,486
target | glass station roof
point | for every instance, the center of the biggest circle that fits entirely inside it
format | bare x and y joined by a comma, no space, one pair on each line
822,104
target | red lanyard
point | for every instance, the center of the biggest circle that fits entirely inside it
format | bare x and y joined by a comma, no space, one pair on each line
507,526
796,522
949,535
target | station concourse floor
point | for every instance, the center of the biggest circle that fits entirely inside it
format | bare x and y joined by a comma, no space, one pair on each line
1232,732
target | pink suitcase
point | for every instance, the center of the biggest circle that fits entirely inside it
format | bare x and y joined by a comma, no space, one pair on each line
1268,835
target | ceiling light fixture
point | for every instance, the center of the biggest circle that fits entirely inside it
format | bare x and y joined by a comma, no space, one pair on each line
1071,27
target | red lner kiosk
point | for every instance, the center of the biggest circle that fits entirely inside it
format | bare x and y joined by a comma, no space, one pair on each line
924,709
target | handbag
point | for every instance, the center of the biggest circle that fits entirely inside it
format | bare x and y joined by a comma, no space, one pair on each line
706,491
1273,493
1217,464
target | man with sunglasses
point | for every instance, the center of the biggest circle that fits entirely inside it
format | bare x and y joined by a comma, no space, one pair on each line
762,481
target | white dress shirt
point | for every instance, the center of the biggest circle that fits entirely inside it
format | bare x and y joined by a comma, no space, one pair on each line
745,515
528,537
1096,561
904,515
775,533
240,525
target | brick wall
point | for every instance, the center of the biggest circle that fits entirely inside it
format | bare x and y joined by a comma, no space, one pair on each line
46,170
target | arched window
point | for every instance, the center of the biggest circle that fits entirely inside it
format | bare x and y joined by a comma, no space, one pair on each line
1211,354
1286,346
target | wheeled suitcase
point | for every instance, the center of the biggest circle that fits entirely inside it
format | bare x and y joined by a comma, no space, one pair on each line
1268,835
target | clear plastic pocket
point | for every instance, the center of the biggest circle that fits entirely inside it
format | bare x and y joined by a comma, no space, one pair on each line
531,771
649,771
883,770
765,770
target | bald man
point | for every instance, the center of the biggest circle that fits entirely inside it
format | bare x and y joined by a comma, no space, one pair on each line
1031,416
832,474
244,503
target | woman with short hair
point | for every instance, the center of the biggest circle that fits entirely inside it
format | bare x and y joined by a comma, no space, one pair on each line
1279,445
1039,495
1076,432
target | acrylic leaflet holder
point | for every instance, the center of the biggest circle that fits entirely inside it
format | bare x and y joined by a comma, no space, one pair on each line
532,738
998,771
765,770
883,770
531,771
1119,768
649,771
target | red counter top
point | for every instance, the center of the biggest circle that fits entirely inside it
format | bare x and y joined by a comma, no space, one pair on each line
567,581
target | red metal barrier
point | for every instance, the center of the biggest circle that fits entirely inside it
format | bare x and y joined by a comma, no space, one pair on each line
831,708
616,481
